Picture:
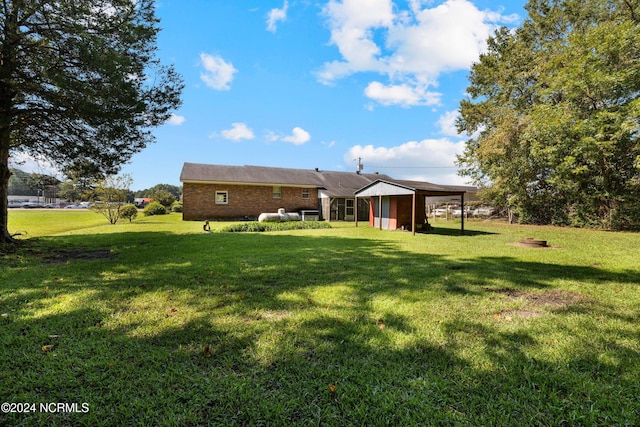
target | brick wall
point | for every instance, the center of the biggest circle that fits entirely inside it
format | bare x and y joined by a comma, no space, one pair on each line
243,201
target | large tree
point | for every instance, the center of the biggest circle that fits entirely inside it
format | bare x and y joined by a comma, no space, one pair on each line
553,114
80,82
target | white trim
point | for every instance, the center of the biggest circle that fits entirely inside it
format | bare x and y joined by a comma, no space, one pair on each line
382,188
276,194
226,197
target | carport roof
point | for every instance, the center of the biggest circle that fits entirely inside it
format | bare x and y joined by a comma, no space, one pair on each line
393,187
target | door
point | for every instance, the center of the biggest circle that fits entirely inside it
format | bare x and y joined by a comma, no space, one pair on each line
386,205
349,211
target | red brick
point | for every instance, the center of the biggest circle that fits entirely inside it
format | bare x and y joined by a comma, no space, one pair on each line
244,201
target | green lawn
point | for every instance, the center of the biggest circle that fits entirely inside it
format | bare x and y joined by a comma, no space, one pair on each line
156,322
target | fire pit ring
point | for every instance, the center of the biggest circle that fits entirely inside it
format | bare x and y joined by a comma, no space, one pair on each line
530,242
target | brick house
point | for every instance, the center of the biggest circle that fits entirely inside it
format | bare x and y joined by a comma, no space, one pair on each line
244,192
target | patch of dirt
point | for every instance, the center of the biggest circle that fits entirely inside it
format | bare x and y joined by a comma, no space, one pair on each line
62,257
556,298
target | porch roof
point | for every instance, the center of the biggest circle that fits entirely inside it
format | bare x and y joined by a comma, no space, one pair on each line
393,187
383,188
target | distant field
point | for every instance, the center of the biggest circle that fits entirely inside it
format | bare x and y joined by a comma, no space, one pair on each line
50,222
156,322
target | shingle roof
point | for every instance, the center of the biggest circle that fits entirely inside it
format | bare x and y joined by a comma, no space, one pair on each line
340,184
336,184
196,172
345,184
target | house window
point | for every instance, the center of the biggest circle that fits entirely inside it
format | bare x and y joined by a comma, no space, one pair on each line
277,192
348,209
305,193
222,197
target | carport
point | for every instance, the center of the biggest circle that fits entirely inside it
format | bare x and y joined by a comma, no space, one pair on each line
401,204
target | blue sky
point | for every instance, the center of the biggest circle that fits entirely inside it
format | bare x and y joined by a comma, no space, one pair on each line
319,83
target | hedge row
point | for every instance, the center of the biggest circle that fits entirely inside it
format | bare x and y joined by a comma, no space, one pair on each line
274,226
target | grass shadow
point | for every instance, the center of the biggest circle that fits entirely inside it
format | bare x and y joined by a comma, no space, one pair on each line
236,329
447,231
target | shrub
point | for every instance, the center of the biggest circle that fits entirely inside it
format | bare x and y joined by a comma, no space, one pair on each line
129,212
274,226
176,207
163,197
154,208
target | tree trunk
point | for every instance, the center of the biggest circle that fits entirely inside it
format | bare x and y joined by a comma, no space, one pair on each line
7,96
5,173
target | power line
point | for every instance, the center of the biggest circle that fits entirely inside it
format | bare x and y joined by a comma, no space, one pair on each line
413,167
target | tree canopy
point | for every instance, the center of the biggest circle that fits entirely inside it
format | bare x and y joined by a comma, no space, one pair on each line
175,190
553,114
80,82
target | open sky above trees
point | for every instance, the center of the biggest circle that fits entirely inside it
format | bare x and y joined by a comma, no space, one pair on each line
318,84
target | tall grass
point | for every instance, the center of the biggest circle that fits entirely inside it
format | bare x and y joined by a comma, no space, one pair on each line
159,323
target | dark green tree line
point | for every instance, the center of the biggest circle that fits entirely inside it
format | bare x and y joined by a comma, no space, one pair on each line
174,190
553,115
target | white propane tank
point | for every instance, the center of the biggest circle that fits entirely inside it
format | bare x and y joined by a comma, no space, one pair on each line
281,216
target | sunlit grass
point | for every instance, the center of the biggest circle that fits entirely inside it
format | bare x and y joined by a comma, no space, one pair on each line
157,322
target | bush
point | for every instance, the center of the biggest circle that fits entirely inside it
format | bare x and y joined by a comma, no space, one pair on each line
163,197
274,226
176,207
154,208
129,212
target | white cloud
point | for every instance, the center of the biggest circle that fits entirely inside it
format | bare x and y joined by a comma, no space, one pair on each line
329,144
447,123
352,23
271,136
217,74
431,160
275,15
176,120
238,131
403,94
447,37
412,47
298,136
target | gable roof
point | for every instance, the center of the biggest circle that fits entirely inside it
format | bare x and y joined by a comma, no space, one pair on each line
340,184
345,184
429,186
391,187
